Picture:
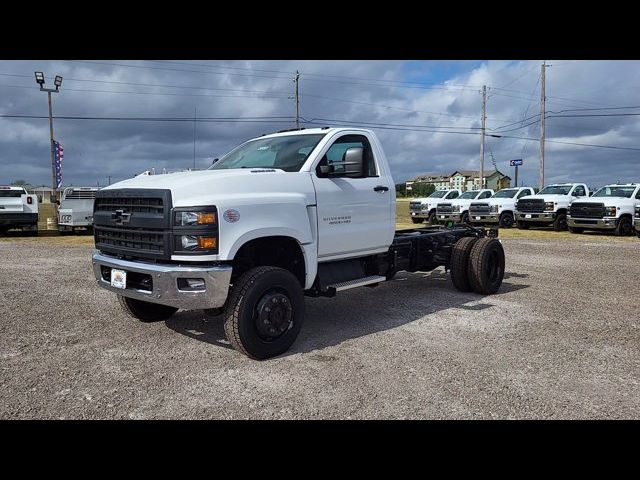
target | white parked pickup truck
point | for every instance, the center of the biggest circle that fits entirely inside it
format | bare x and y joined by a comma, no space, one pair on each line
458,210
499,209
76,209
18,209
549,206
280,216
612,207
422,209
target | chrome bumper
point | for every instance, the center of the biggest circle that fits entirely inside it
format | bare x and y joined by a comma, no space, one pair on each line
491,218
445,217
536,217
164,278
419,213
603,223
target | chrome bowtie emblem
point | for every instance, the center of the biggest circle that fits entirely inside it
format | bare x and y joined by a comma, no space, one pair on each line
120,216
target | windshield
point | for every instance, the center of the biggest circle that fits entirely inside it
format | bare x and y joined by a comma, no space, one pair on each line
615,191
287,153
11,193
556,190
505,194
470,194
438,194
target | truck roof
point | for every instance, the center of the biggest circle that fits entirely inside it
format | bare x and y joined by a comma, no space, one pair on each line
11,187
314,131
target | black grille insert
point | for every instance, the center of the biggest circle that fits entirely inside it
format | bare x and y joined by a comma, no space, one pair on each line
531,205
586,210
479,208
444,208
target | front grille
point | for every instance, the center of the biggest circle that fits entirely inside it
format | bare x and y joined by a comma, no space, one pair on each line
444,208
479,209
531,205
586,210
133,223
415,206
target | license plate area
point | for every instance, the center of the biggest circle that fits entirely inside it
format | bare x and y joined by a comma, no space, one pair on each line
528,215
478,218
118,278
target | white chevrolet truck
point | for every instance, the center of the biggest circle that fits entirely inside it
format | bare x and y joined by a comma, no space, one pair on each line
499,209
422,209
457,210
549,206
302,212
612,208
18,210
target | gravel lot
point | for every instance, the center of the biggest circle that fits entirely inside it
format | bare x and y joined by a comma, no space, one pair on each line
560,340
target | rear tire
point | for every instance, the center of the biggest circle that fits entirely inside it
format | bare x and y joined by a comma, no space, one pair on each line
486,266
523,225
417,220
264,312
576,229
560,223
460,263
624,227
506,220
145,311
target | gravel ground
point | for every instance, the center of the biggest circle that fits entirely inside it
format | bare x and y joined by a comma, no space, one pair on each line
560,340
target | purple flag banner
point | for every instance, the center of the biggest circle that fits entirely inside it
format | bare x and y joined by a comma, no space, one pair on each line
58,155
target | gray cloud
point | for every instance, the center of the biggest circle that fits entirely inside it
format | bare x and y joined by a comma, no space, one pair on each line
97,149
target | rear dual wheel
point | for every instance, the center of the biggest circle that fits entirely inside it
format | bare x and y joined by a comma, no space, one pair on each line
477,264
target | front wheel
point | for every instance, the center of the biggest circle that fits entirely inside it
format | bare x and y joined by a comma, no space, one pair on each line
506,220
145,311
624,227
560,223
264,313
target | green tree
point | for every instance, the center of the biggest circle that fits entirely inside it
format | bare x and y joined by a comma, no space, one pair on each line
20,183
401,189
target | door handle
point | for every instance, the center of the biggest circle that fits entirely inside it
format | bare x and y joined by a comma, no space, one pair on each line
380,188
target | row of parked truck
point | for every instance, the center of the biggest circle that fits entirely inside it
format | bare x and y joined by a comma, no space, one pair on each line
563,206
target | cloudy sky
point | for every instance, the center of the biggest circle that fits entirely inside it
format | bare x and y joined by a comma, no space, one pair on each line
427,114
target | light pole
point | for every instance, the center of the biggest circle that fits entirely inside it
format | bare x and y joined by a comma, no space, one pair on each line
57,82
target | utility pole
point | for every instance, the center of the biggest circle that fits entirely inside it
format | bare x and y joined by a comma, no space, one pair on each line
297,81
109,179
484,118
195,114
542,114
57,82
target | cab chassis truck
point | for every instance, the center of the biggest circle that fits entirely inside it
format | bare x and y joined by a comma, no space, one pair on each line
304,212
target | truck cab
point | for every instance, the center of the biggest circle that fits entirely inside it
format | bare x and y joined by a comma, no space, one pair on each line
18,210
422,209
295,213
550,206
611,207
76,209
499,209
458,210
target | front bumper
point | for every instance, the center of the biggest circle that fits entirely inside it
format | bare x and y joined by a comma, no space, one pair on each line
445,217
164,282
491,218
595,223
419,213
535,217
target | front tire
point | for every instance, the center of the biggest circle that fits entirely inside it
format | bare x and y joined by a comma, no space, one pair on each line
560,223
624,227
523,225
264,313
486,266
506,220
145,311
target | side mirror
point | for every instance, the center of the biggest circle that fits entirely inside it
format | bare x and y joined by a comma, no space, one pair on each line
214,161
353,164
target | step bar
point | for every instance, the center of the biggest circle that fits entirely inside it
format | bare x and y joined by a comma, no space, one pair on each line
358,282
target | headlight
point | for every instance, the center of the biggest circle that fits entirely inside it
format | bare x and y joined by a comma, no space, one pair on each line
494,209
195,230
549,206
516,205
637,212
609,211
186,219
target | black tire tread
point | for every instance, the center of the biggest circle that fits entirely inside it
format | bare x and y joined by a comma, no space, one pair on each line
476,262
460,263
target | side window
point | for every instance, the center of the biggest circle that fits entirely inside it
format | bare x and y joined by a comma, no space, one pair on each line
579,191
638,194
341,145
523,193
452,195
485,195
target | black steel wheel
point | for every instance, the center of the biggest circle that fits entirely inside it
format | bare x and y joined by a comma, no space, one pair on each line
560,223
624,227
506,220
265,312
